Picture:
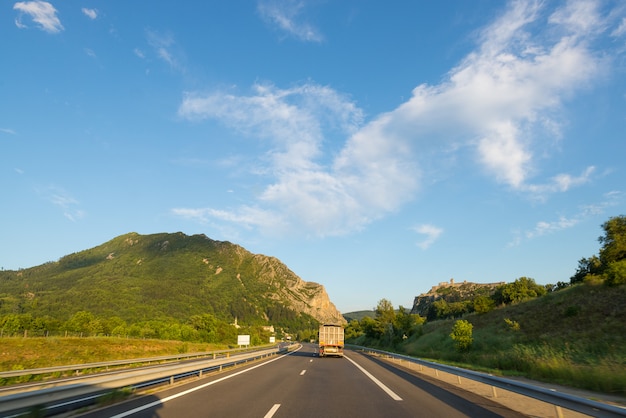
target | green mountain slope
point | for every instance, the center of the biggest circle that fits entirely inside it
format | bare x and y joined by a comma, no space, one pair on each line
166,276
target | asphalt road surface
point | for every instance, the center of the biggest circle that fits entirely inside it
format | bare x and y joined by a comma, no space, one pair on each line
303,385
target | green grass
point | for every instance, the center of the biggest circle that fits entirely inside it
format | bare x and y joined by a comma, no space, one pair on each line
18,353
575,337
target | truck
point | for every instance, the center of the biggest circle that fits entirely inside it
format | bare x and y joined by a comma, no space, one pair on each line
330,340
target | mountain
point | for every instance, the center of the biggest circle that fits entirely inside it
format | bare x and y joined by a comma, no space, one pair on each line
451,292
358,315
167,276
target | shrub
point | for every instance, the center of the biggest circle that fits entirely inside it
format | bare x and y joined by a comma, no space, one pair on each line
462,335
513,325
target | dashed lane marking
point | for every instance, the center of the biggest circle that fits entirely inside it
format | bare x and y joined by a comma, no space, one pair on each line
272,411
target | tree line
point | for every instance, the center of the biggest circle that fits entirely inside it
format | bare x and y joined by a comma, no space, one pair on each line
389,327
199,328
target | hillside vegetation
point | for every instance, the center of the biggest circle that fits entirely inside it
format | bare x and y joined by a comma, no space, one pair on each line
168,286
570,333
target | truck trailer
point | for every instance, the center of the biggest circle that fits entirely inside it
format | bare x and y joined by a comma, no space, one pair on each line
330,340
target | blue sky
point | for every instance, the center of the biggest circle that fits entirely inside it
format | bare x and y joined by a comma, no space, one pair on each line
377,148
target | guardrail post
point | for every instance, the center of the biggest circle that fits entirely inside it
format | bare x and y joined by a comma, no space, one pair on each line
458,378
495,393
559,411
171,380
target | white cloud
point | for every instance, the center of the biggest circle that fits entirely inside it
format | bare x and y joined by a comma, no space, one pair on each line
579,16
431,232
504,97
324,198
90,13
166,49
63,200
42,13
560,183
502,101
291,118
8,131
621,29
542,228
285,14
248,217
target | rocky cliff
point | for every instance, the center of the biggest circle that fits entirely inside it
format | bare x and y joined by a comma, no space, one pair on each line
451,292
306,297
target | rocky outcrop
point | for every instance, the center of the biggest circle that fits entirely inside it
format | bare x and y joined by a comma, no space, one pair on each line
305,297
451,292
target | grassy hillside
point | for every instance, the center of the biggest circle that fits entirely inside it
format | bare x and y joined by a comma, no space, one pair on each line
576,336
358,315
132,278
165,278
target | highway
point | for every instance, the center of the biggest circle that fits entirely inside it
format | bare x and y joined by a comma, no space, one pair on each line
303,385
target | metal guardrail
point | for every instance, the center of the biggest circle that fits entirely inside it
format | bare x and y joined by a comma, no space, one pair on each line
106,364
72,395
574,403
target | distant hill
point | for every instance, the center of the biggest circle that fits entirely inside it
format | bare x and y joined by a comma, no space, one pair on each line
358,315
167,276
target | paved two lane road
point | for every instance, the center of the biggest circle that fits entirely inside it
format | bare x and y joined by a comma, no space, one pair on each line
303,385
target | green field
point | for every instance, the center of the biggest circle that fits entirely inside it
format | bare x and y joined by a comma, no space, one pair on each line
18,353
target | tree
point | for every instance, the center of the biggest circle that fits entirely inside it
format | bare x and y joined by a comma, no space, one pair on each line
462,335
385,318
613,251
81,322
406,321
354,329
483,304
385,312
370,327
11,324
614,241
615,274
520,290
586,267
439,309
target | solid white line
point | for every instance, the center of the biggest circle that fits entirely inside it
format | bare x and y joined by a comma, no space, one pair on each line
187,392
302,372
272,411
378,382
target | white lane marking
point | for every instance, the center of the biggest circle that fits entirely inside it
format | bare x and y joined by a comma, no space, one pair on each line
302,372
272,411
187,392
380,384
